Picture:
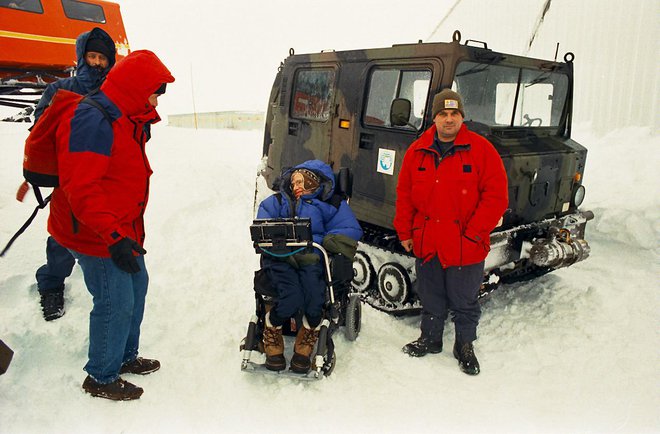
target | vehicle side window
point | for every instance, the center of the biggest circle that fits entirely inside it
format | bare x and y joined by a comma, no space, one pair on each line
387,84
313,94
23,5
77,10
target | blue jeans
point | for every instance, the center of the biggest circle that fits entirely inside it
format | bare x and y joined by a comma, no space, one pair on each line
114,323
58,266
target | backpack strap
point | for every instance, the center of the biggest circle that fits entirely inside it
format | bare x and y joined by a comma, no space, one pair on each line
42,204
87,100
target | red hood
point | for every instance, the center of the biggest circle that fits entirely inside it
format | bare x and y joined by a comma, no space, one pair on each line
134,79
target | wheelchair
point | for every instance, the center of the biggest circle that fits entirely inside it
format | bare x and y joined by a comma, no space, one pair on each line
342,308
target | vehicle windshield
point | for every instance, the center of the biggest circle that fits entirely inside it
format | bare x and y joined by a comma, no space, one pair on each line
489,95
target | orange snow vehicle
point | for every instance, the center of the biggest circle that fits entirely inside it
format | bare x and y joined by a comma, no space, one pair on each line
38,43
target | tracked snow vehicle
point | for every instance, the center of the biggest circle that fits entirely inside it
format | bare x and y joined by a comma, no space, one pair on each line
359,111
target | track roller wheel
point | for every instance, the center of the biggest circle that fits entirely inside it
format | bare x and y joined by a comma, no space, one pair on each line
393,283
363,272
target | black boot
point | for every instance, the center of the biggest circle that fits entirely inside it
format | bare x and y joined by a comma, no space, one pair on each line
467,361
422,347
52,303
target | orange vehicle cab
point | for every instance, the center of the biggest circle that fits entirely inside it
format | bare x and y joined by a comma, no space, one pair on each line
38,42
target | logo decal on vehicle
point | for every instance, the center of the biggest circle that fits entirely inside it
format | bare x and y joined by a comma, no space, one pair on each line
386,158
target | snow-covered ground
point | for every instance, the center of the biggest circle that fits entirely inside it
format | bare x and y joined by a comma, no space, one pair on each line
573,351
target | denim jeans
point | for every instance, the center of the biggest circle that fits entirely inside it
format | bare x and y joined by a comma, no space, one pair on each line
114,323
58,266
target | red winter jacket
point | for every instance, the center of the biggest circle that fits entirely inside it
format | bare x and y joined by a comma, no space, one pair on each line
449,211
103,168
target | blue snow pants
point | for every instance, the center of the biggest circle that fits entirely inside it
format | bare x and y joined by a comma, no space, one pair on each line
297,288
454,289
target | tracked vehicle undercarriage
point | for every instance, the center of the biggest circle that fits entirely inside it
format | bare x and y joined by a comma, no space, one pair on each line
385,274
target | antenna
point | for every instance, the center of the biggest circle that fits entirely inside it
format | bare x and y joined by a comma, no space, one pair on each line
451,9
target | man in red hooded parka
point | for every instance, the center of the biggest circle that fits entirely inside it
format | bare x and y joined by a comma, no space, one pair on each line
97,213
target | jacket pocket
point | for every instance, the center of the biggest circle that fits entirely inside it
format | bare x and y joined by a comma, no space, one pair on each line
473,251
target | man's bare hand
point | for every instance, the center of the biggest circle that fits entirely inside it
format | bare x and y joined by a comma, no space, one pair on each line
407,245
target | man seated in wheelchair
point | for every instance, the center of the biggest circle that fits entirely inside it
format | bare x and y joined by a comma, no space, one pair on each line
306,191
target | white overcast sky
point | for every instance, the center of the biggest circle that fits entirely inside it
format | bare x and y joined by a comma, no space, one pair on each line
234,48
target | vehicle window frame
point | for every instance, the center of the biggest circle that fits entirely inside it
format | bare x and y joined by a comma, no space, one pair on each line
69,13
325,114
402,70
30,9
502,94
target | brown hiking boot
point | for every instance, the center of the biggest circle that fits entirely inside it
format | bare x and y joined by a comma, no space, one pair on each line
273,346
118,390
140,366
303,348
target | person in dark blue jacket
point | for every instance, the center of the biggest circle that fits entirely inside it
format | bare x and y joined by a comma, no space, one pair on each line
96,52
307,190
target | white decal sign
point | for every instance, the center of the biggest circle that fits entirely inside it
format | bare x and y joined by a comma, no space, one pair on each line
386,158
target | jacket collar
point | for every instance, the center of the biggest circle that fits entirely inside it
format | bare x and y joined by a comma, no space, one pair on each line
461,142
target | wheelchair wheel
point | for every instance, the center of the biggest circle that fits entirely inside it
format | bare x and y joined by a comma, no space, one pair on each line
353,317
393,283
363,272
329,365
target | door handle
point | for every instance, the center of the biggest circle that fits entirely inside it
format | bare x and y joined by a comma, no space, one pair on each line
293,128
366,141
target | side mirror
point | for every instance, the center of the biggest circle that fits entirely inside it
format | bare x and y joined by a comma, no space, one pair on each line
400,112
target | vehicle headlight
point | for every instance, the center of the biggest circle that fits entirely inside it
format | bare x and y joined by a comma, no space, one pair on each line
578,195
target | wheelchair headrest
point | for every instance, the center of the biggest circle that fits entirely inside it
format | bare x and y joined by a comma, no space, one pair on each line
344,182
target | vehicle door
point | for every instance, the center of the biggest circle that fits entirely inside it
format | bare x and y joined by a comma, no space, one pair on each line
380,145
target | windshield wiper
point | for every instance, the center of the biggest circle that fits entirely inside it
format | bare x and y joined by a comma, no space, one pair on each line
474,70
481,67
541,78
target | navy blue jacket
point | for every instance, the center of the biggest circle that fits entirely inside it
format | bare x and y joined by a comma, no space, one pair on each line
326,218
86,79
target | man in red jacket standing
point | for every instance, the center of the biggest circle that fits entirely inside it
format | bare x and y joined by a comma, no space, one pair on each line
451,193
97,214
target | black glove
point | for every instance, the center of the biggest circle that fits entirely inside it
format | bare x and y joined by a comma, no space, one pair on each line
122,254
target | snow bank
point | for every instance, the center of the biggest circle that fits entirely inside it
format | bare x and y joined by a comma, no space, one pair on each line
573,351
